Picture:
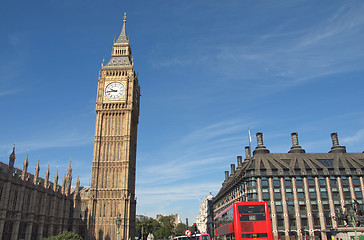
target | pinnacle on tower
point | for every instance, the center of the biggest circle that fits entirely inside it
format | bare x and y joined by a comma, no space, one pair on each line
25,167
12,158
123,38
55,181
36,173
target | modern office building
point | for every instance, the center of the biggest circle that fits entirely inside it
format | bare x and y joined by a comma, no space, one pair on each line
302,189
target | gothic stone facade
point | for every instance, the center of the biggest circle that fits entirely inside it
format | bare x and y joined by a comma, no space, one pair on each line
302,189
32,207
112,192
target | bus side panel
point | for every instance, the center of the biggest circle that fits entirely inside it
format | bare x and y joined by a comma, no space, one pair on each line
237,225
223,230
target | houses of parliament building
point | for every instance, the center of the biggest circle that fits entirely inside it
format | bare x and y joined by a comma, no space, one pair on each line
32,207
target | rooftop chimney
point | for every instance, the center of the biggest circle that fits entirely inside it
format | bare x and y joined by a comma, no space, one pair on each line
247,152
296,148
232,166
239,160
336,148
260,146
226,175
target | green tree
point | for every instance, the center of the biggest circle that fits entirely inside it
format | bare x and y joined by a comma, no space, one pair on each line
167,227
145,226
180,229
65,236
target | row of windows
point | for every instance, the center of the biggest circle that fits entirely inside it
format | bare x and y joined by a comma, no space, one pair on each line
251,184
308,171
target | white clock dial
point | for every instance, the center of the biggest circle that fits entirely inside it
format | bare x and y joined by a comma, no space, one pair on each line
115,90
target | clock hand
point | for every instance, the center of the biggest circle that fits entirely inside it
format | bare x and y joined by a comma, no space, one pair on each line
112,90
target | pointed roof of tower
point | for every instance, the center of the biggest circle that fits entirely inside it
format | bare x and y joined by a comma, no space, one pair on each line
26,163
69,169
121,52
12,158
123,38
47,173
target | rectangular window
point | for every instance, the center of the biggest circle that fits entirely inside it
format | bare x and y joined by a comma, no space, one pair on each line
356,181
287,183
277,195
279,208
345,182
312,195
324,195
359,194
322,182
292,220
347,194
316,221
311,182
328,220
290,208
276,183
304,222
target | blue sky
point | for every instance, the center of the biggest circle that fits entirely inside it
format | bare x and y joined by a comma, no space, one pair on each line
208,70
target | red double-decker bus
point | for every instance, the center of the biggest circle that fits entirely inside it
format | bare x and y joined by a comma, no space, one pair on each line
244,221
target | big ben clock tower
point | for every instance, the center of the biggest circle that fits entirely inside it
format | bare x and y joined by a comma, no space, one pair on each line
114,160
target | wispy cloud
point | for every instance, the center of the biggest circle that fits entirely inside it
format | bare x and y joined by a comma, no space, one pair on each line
9,92
286,56
356,138
56,140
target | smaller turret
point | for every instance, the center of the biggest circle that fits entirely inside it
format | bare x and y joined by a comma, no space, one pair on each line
77,189
25,168
55,181
36,174
12,158
64,185
69,179
46,178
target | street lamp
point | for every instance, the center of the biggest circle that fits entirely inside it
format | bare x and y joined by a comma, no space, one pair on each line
118,223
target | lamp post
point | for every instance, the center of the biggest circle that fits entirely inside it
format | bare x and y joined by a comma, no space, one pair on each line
118,223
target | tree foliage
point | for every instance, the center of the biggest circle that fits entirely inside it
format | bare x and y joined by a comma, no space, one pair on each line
145,226
180,229
65,236
162,229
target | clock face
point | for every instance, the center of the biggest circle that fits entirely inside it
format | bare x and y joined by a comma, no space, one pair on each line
115,91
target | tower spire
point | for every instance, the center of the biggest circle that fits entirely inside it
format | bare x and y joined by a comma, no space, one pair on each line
25,167
123,38
12,158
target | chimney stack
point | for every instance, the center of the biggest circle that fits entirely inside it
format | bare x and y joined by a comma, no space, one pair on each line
239,160
247,152
226,175
296,148
260,146
232,166
336,148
